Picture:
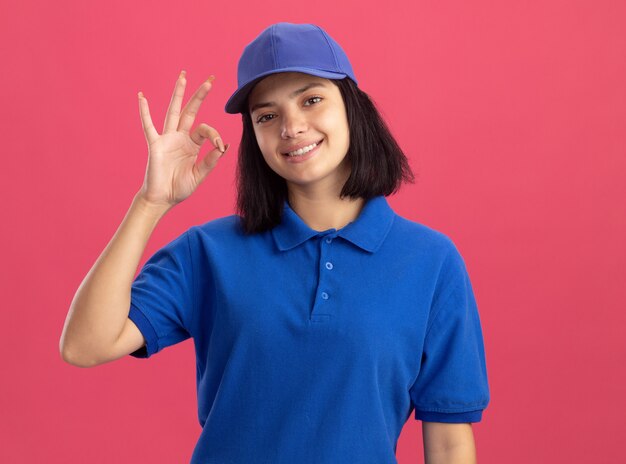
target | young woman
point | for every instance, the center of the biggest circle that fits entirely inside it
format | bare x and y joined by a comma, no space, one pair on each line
321,319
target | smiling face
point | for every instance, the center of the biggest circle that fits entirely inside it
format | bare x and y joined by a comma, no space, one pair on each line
304,116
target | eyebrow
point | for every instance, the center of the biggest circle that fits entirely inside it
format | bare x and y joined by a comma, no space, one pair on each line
294,94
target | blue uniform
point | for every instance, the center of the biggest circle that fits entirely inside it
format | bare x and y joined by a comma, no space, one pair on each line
316,347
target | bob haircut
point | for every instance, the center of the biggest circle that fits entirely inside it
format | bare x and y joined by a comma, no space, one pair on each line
378,165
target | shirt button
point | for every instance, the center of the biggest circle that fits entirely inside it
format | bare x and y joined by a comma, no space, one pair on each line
328,240
329,265
325,295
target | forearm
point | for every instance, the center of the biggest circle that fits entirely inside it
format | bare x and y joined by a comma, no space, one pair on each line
101,304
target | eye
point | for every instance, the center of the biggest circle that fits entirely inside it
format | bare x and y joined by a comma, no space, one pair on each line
262,120
313,98
266,118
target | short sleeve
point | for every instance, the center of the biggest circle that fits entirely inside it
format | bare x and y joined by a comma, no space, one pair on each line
451,385
162,297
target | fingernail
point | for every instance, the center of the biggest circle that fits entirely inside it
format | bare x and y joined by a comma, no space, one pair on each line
218,143
140,94
211,78
183,73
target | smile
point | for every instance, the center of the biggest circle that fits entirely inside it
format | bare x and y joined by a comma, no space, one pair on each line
303,150
303,154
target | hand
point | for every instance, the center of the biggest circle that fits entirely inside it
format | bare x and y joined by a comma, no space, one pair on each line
172,174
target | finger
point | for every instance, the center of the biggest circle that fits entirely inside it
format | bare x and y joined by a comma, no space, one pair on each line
146,120
173,111
204,132
192,107
208,163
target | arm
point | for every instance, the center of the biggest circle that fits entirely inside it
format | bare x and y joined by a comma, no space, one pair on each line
448,443
97,328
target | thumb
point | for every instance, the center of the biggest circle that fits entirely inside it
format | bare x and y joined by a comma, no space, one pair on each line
209,161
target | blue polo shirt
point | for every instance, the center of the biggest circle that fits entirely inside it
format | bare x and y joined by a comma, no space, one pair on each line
316,347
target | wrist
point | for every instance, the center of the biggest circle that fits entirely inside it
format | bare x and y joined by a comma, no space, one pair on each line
150,208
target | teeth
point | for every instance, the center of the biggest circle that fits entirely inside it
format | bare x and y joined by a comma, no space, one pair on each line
302,151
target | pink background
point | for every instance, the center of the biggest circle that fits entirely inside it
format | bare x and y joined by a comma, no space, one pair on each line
513,115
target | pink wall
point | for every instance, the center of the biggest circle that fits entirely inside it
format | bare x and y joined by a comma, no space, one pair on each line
512,113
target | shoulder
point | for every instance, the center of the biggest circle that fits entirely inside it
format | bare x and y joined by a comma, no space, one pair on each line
432,248
219,228
420,236
227,234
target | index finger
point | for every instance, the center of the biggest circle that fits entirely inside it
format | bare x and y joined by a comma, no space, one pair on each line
188,115
173,111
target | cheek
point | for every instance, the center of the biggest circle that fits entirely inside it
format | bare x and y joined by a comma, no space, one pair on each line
341,129
266,138
337,123
267,150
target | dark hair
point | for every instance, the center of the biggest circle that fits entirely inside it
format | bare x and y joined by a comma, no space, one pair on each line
378,165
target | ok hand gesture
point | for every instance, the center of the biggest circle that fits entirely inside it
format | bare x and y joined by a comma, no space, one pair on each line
172,174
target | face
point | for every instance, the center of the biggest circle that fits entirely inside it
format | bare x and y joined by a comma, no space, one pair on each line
305,116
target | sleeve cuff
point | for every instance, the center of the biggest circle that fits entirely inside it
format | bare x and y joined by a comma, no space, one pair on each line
452,418
148,332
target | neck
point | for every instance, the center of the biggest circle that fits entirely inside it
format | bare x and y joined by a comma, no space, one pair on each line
324,210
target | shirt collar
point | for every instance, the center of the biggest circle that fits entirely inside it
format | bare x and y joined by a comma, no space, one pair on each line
367,232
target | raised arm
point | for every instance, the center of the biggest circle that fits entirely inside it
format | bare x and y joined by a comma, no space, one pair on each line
97,328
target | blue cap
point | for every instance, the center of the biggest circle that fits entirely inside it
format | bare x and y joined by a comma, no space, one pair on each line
284,47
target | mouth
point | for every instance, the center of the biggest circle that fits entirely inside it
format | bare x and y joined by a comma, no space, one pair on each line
303,151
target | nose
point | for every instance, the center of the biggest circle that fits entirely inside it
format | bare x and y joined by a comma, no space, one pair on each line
293,124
